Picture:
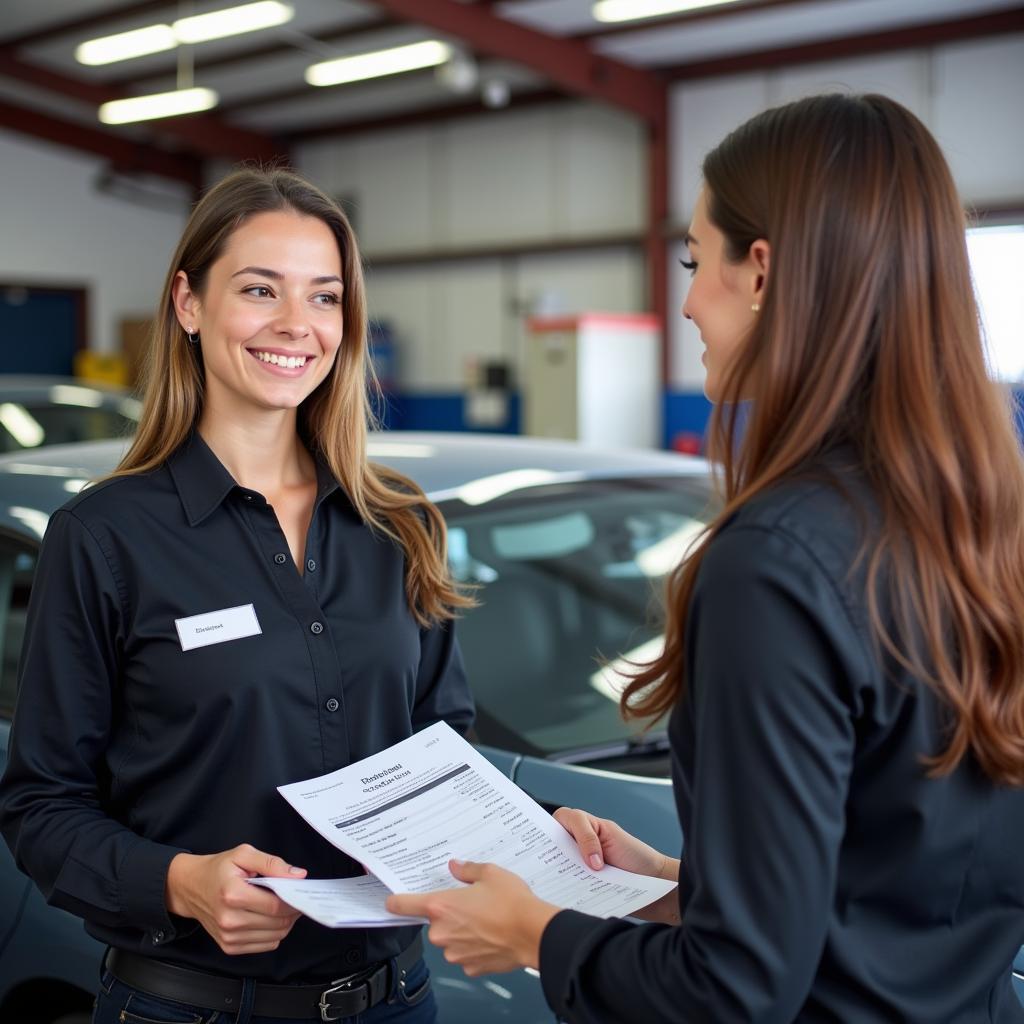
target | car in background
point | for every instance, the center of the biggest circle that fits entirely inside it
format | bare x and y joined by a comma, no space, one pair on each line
568,548
37,411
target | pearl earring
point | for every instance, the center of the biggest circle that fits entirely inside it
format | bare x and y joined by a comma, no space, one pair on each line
756,307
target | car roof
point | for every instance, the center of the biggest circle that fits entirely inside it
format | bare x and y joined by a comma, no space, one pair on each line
39,387
472,467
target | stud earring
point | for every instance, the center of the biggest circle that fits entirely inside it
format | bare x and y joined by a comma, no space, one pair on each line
756,307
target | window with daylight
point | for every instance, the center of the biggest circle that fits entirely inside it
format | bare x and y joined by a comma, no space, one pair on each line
997,264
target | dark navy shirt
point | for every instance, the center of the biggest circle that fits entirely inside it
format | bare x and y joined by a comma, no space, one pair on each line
825,877
130,745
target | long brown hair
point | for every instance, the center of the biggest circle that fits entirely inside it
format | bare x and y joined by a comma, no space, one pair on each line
333,420
869,335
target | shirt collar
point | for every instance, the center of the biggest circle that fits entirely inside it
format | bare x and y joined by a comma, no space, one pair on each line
203,481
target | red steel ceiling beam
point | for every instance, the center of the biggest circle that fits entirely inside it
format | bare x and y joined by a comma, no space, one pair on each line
204,133
424,115
571,65
565,62
123,153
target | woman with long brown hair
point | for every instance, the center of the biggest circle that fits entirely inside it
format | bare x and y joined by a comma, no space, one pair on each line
245,603
844,653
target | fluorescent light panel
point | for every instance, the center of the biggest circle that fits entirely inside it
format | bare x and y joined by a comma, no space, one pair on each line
427,54
161,104
21,425
199,28
634,10
126,45
69,394
232,21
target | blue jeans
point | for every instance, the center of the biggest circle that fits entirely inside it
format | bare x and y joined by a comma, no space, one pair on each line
118,1003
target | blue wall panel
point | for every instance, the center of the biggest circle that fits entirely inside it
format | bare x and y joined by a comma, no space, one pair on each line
439,411
684,413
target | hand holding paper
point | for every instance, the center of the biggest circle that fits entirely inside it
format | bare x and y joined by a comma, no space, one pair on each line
405,812
339,902
493,924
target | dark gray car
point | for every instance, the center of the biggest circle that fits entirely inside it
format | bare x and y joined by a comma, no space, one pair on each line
569,547
37,411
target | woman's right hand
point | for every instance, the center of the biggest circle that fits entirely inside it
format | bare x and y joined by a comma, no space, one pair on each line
604,842
212,889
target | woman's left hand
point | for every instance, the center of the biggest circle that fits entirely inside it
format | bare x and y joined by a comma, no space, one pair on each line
494,925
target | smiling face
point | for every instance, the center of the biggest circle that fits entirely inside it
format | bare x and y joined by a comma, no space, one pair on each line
270,315
722,295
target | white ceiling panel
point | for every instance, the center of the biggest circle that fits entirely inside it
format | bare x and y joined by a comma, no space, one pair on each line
260,75
788,25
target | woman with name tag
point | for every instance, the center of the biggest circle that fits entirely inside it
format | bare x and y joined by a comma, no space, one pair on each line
844,653
246,602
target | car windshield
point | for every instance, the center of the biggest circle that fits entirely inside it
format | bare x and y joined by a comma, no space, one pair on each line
33,425
570,581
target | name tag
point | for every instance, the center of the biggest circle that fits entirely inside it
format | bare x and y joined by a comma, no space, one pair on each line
217,627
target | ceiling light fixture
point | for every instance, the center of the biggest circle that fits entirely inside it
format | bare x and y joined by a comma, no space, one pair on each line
361,66
161,104
459,73
634,10
232,21
126,45
496,93
199,28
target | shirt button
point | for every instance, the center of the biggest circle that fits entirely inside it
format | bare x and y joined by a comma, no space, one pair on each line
280,558
311,565
316,627
352,956
248,497
158,937
332,704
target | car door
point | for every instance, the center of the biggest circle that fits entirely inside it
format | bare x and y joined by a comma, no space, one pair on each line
643,806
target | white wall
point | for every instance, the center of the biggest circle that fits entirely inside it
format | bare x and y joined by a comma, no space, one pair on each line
445,315
548,176
969,94
55,228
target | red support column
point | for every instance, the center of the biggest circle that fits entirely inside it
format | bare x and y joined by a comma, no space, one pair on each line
655,241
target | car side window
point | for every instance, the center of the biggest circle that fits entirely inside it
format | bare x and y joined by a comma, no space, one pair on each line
17,565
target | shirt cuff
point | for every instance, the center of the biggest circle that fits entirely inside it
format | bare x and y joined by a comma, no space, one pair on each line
566,941
144,886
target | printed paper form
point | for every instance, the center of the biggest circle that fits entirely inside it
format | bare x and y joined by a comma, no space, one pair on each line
404,812
339,902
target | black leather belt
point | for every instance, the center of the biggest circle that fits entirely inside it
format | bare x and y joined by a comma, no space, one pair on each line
343,997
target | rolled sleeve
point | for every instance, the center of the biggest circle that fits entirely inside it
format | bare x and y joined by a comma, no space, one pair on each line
55,790
770,661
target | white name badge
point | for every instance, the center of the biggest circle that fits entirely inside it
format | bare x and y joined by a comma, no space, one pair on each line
217,627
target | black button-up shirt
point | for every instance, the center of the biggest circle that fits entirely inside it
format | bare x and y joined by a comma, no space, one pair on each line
825,876
130,745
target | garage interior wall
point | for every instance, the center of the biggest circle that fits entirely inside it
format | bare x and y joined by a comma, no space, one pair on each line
57,228
968,94
565,175
470,225
576,171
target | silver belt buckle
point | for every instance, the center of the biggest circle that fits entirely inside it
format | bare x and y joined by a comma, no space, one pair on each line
338,985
